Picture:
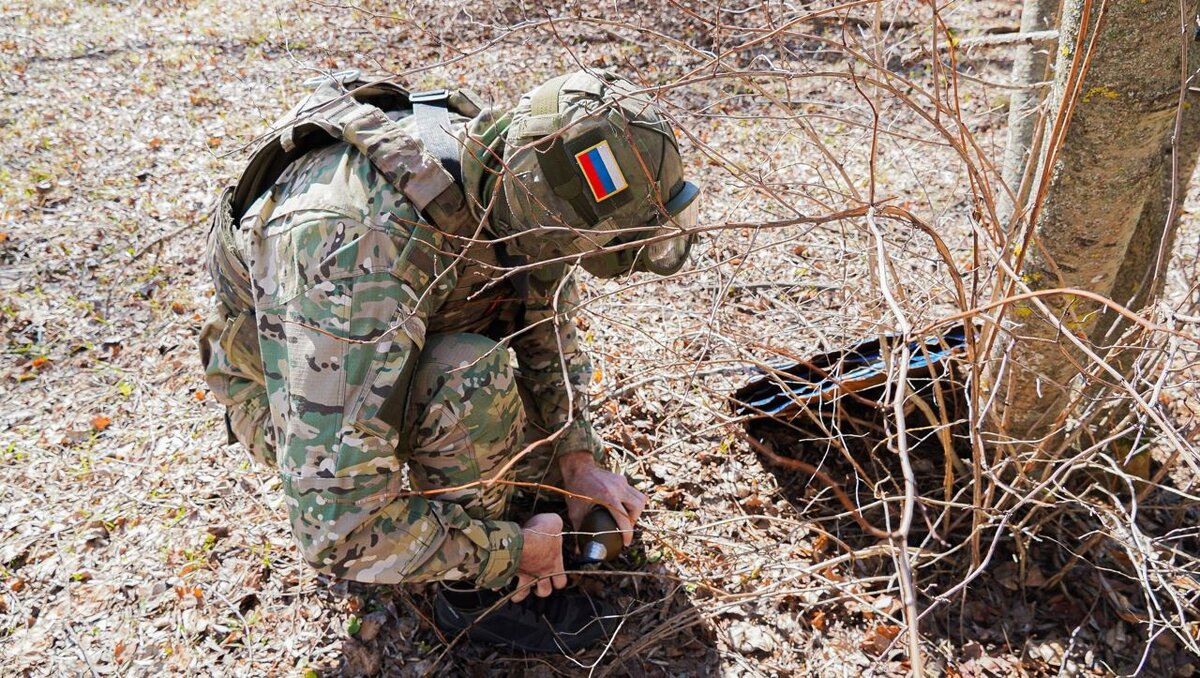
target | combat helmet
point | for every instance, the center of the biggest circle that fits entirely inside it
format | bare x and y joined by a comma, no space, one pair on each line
594,172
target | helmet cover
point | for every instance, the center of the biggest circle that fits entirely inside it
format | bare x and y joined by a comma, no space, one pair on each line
593,171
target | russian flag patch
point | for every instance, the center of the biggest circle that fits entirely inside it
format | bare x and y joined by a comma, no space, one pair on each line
603,173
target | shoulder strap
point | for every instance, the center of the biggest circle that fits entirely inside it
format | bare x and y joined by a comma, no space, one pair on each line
432,112
357,117
544,100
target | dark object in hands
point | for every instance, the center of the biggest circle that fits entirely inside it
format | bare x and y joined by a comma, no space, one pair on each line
599,538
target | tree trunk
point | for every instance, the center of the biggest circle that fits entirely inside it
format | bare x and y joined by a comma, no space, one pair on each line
1137,283
1104,212
1031,65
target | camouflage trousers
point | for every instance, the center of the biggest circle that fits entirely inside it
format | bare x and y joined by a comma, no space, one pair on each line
465,425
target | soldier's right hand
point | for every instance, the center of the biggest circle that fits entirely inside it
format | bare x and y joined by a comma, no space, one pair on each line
541,567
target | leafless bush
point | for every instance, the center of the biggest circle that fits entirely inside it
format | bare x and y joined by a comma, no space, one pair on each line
849,155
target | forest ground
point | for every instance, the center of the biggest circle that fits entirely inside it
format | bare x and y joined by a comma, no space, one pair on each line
134,541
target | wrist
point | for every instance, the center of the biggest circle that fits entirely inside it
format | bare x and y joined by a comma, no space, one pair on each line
570,463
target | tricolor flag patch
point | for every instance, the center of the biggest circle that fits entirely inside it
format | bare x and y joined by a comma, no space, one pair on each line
602,171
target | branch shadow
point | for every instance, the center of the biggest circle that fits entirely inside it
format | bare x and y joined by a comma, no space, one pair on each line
1043,590
661,633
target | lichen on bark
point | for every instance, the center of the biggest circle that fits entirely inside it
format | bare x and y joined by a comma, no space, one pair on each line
1104,205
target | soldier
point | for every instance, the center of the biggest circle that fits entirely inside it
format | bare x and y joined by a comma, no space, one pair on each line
394,331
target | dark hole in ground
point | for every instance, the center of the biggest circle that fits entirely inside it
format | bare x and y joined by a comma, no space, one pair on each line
1038,588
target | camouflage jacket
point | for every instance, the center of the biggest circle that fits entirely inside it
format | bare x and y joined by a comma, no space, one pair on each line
304,365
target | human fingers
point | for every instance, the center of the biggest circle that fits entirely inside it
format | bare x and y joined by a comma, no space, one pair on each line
545,587
522,590
634,503
559,580
624,524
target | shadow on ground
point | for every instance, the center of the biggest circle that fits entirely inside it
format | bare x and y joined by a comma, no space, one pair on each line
1054,600
661,633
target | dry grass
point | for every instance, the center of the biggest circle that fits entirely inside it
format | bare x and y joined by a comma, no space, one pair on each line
132,541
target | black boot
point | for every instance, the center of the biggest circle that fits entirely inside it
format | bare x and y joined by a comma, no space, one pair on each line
564,622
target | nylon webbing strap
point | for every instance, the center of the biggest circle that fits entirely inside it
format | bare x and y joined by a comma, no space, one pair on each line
409,165
432,113
397,155
544,100
519,280
330,115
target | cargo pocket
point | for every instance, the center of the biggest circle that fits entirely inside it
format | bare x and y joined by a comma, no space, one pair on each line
239,342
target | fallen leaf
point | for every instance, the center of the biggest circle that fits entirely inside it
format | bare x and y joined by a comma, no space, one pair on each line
818,620
39,362
199,395
889,631
100,422
831,574
371,625
879,638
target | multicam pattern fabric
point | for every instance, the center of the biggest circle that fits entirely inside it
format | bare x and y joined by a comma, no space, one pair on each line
367,351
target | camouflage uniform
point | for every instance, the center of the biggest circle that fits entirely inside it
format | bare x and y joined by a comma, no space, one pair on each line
353,349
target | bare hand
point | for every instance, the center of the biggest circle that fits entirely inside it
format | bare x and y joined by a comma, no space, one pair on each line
581,476
541,566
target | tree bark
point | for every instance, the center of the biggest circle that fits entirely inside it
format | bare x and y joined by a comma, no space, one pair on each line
1031,65
1139,280
1102,217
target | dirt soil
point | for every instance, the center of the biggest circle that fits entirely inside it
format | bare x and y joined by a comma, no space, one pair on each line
135,541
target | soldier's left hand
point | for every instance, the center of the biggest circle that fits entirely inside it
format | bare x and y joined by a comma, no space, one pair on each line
594,485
